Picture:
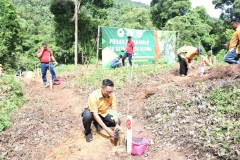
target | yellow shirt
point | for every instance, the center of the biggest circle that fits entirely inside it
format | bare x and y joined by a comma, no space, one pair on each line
235,38
206,60
188,52
100,104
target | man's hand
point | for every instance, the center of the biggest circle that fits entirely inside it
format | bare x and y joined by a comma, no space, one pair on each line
226,45
109,131
55,63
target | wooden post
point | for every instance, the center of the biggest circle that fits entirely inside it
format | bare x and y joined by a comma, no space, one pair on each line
76,32
98,36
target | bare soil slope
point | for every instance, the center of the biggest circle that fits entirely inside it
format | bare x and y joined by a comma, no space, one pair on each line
49,125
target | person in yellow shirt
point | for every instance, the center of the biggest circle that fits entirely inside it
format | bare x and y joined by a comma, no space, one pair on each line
207,60
233,54
185,56
101,110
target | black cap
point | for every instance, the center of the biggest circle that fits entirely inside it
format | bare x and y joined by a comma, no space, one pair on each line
129,36
236,20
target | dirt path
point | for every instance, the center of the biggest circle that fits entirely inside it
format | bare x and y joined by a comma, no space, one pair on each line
49,125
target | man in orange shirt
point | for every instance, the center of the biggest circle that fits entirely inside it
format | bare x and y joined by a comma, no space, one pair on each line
233,54
100,109
129,51
185,56
45,56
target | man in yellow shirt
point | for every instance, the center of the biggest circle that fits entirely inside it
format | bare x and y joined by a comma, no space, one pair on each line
185,56
101,110
233,54
207,60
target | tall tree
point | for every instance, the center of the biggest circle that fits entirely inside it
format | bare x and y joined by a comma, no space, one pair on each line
9,34
192,28
128,14
163,10
37,27
137,18
91,14
230,8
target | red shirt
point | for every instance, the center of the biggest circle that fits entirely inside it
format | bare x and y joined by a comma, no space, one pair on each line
130,46
46,55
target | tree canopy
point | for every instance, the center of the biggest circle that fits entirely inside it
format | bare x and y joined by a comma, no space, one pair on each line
163,10
25,24
9,34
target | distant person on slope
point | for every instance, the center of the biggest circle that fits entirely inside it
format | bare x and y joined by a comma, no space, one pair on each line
45,56
207,60
233,54
129,51
101,110
185,56
115,62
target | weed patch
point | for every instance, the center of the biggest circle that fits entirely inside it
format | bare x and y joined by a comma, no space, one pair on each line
11,97
121,76
222,134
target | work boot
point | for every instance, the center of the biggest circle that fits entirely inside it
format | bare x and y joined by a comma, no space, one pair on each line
89,137
97,126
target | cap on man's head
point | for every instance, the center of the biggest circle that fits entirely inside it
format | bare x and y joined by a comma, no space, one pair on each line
199,50
129,36
236,19
0,65
209,53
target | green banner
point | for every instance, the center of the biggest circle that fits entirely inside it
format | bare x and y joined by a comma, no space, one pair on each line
114,40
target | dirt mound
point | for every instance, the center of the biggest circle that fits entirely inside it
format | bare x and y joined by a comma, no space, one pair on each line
221,72
177,113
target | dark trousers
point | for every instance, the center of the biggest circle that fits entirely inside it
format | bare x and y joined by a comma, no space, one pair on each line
129,58
44,68
88,119
232,57
183,66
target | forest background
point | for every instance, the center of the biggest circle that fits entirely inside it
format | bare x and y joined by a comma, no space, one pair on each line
25,24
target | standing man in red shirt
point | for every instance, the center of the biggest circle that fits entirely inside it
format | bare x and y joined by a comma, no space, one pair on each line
46,57
129,51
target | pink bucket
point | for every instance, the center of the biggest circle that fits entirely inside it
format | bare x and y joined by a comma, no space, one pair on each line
56,81
139,145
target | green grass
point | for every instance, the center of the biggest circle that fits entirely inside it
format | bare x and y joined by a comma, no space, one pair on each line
11,97
226,100
121,76
61,69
